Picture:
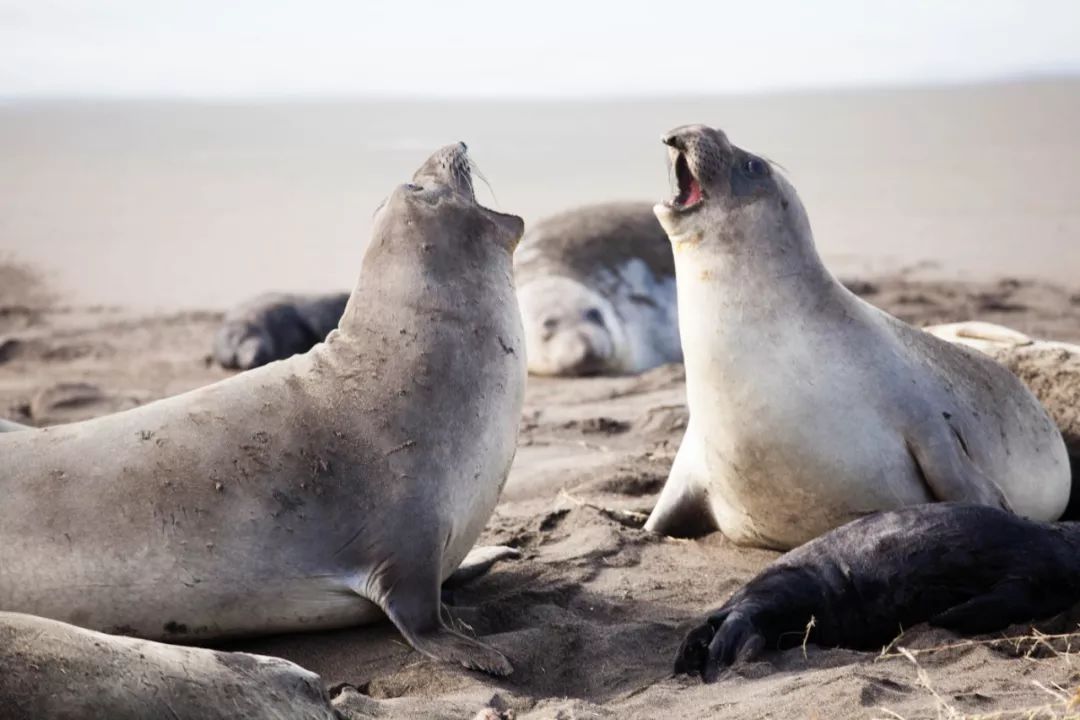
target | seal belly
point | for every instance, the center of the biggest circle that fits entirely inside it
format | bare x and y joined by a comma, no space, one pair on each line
775,487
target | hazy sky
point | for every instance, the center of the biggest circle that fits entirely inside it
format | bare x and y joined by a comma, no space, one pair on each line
228,48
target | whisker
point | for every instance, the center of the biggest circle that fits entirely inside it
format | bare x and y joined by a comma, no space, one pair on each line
479,174
773,163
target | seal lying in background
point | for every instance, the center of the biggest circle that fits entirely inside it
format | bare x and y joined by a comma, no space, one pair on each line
808,406
966,568
596,287
317,492
274,326
597,292
50,669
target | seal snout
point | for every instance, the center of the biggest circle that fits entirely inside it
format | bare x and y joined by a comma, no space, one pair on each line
685,145
450,166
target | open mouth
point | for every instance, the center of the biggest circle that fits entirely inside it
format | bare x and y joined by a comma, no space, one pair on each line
687,188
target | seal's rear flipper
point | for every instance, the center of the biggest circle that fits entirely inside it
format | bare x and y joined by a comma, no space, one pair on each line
412,603
478,562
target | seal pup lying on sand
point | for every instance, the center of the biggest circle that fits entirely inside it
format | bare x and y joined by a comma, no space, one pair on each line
316,492
966,568
274,326
50,669
597,292
808,406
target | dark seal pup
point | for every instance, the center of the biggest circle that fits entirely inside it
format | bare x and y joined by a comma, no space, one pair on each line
966,568
274,326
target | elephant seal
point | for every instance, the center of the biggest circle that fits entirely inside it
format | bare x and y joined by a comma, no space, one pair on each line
274,326
597,292
316,492
808,406
50,669
967,568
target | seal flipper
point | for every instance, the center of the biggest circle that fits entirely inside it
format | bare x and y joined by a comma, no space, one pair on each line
727,637
941,457
682,510
478,562
412,602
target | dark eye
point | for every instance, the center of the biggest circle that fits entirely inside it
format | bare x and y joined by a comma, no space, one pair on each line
755,168
593,315
550,324
414,187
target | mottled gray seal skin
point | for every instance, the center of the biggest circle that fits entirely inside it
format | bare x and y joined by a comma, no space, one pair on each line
809,407
316,492
274,326
968,568
56,671
597,292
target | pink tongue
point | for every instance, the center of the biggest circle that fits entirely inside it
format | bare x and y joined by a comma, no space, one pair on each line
695,193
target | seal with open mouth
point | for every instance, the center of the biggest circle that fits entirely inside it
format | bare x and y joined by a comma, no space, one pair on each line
317,492
808,406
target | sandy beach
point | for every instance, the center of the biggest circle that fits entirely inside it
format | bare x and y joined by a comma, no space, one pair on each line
593,612
129,229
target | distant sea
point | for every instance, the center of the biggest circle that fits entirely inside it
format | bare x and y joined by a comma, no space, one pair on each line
183,204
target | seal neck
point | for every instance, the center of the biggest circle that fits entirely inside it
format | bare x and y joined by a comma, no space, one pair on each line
748,282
